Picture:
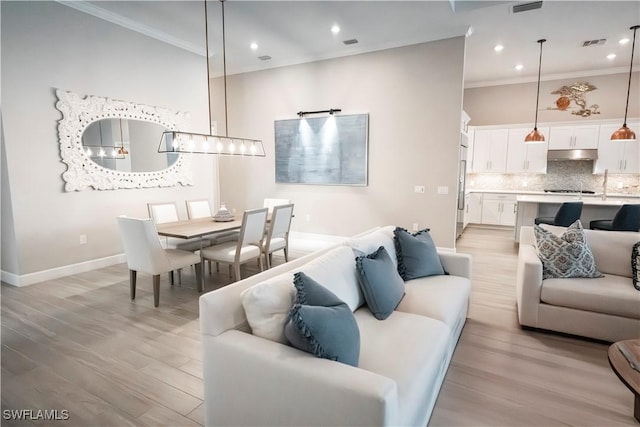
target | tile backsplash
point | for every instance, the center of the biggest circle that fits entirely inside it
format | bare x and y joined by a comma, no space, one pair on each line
566,175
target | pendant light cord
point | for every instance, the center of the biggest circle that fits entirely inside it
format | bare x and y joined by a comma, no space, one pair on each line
633,48
535,126
224,73
206,56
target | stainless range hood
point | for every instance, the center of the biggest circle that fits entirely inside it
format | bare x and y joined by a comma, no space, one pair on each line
572,155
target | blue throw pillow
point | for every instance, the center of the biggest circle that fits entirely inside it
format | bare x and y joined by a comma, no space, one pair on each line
381,285
322,324
417,254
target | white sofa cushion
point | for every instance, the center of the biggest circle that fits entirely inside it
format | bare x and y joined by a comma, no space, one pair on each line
267,306
440,297
336,270
370,242
409,349
611,294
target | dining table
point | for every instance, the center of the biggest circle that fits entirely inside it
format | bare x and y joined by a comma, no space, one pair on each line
197,228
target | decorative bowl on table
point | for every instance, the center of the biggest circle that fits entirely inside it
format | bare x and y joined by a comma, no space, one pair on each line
223,215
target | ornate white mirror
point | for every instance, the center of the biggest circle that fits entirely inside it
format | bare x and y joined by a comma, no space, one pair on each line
109,144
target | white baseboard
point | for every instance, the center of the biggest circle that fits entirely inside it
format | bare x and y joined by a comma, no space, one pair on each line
55,273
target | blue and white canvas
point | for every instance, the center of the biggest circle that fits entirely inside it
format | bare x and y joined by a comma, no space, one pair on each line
325,151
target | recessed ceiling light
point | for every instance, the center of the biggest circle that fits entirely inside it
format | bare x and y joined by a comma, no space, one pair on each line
624,41
611,56
253,46
519,67
335,29
498,48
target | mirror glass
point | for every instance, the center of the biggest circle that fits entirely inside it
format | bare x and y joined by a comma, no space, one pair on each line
126,145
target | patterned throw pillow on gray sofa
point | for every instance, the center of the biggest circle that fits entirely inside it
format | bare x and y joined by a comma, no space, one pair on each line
635,265
567,255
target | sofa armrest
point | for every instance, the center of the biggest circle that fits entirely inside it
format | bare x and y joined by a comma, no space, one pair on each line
456,264
249,380
528,285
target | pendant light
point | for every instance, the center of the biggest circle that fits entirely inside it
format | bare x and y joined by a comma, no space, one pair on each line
535,136
122,151
624,133
189,142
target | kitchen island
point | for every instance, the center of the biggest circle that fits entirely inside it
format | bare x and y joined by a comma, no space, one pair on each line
595,207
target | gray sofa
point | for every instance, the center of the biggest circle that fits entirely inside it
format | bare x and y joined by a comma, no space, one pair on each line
251,380
606,308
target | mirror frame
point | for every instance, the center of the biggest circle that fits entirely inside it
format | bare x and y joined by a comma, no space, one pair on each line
82,172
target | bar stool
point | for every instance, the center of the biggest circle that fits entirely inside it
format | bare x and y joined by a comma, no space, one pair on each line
627,218
568,213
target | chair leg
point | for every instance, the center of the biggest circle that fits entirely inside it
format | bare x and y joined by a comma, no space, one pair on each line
180,276
230,270
156,290
171,277
200,276
262,263
286,254
132,283
237,270
270,263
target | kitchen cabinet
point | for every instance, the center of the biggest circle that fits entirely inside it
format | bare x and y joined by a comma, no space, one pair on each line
473,208
523,157
574,137
490,150
499,209
617,156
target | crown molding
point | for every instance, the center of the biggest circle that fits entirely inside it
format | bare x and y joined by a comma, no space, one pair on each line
549,77
130,24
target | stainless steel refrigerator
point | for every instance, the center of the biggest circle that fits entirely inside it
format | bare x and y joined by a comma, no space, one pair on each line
462,175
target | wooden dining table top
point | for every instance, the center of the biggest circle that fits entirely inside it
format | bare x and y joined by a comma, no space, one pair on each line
193,228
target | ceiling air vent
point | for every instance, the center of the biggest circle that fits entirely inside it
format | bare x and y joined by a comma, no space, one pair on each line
350,41
595,42
524,7
264,57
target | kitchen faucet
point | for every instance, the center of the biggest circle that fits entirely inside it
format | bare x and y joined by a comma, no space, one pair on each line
604,184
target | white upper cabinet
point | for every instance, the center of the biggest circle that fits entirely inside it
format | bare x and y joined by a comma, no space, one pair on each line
573,137
523,157
617,157
490,150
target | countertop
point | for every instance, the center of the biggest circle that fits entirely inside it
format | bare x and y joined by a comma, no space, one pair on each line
543,193
561,198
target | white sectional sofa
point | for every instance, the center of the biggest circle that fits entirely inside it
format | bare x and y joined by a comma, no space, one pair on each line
253,381
606,308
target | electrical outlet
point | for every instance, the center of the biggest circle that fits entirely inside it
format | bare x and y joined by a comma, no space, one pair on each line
83,239
415,226
418,189
443,190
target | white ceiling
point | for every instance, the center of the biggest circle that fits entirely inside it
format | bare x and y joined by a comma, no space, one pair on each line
293,32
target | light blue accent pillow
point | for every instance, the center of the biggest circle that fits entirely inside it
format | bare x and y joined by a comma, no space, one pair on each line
381,285
417,254
322,324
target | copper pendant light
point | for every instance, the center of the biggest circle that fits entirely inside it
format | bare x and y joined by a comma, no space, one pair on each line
122,151
535,136
624,133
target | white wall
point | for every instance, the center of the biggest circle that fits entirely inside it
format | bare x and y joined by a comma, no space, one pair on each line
45,46
509,104
413,96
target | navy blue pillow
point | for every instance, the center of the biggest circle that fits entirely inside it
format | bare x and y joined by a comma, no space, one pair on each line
381,285
417,254
635,265
322,324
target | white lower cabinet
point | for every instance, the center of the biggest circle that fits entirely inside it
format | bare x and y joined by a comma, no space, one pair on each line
499,209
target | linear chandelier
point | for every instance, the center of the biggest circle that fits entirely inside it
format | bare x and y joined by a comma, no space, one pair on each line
200,143
624,133
331,112
535,136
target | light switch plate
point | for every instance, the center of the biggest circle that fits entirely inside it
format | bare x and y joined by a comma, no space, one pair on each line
419,189
443,190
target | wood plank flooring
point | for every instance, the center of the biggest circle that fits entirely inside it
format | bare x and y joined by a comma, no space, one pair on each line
78,343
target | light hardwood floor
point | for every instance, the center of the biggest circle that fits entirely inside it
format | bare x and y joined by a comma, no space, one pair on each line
80,344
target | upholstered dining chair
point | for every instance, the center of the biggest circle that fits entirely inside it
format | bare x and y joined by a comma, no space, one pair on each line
168,212
248,246
627,218
567,214
278,233
271,203
144,253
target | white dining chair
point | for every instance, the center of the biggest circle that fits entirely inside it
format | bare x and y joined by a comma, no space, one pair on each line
248,246
168,212
144,253
278,233
271,203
